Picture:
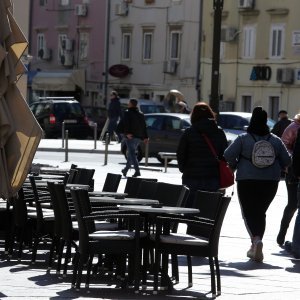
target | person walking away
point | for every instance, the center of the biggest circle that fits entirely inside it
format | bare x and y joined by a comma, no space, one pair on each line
294,246
258,156
282,123
289,137
114,114
135,130
196,162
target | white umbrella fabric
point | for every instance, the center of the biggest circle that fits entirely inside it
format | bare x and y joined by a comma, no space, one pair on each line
20,133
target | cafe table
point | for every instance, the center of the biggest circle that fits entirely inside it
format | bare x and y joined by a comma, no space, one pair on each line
109,194
160,209
150,213
110,200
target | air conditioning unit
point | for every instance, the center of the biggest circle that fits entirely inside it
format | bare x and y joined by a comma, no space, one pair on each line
80,10
67,44
45,53
170,66
228,34
67,59
121,9
285,75
246,3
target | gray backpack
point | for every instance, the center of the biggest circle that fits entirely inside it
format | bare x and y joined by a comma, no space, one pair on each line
263,153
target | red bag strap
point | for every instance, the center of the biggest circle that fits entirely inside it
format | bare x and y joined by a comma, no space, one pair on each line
210,145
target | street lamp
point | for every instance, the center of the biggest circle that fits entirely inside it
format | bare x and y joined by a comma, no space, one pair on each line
215,95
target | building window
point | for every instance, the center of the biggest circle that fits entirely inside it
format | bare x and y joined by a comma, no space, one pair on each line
273,107
43,2
61,42
246,103
126,46
147,45
175,45
41,43
276,41
83,45
64,2
249,43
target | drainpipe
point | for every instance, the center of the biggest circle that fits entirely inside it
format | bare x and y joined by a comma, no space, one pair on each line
198,84
106,51
215,74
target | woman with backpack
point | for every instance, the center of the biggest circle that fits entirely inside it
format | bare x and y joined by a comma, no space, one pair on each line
258,156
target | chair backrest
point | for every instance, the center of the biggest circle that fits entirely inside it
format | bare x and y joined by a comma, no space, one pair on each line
83,207
171,194
111,182
132,185
147,189
84,176
80,213
56,209
209,204
61,209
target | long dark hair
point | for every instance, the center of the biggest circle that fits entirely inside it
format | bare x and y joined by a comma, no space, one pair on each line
258,123
202,110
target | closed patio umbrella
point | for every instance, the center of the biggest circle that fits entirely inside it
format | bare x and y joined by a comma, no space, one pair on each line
19,131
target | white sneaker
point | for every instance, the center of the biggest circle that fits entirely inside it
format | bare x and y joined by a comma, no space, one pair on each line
255,252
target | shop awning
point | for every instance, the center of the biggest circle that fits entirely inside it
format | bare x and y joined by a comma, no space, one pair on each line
59,80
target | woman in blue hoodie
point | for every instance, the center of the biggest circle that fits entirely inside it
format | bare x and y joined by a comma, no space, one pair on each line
256,185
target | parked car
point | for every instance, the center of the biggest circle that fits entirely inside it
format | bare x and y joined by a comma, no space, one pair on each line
164,131
50,112
96,115
145,106
237,122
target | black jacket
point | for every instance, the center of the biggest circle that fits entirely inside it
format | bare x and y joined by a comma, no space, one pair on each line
114,108
134,123
280,126
194,157
296,156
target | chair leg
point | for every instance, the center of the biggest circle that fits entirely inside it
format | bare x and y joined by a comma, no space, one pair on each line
21,241
51,253
212,277
88,271
175,272
190,270
34,250
218,275
60,254
75,269
145,266
156,270
67,257
79,273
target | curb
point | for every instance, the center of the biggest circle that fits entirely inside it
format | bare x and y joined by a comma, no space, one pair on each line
79,150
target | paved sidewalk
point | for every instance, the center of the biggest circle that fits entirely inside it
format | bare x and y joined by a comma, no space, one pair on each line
277,277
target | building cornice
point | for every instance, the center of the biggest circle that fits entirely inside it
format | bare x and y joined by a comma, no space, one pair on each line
278,11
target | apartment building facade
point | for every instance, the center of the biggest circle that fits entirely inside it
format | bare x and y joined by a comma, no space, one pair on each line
67,45
157,45
260,55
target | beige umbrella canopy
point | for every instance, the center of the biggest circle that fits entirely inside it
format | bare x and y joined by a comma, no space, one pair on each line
19,131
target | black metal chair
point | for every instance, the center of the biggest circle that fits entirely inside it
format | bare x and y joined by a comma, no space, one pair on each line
111,182
201,238
122,243
64,233
132,185
147,189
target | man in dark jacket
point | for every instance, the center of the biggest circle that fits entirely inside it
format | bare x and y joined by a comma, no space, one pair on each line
134,127
114,113
282,124
294,246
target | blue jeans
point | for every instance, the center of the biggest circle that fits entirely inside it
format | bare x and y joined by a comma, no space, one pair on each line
112,126
296,234
132,145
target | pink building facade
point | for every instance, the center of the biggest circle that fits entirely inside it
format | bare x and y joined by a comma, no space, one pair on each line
67,45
